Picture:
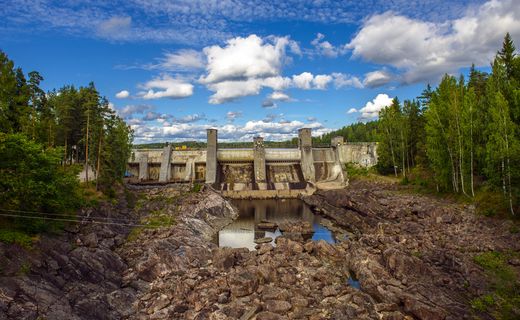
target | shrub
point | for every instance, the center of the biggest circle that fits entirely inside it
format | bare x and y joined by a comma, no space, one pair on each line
18,237
32,180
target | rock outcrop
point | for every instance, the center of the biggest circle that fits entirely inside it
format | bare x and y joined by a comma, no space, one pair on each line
413,257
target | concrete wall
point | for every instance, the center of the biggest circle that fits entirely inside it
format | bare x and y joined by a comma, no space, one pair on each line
252,169
361,153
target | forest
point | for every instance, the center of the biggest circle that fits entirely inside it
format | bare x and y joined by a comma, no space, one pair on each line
46,139
462,136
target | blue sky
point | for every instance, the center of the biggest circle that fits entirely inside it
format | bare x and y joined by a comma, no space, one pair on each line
174,69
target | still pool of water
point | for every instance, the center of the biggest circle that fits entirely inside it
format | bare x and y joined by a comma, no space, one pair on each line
243,231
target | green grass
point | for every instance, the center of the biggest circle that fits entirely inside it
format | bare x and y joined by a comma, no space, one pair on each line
14,236
156,219
503,300
196,187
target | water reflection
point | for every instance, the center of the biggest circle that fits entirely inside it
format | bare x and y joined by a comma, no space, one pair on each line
243,231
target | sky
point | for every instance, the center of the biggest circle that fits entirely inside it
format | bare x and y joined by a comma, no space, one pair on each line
173,69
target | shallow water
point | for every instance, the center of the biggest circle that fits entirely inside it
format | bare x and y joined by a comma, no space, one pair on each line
243,231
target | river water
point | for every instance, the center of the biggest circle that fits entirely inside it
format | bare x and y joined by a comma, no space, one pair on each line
243,231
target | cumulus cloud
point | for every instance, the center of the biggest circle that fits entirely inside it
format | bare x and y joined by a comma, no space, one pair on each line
343,80
130,110
325,48
279,96
230,90
424,51
372,108
244,66
166,87
352,110
377,78
244,58
307,81
122,94
267,128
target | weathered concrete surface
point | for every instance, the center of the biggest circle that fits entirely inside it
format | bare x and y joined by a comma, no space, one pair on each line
259,163
211,157
307,160
143,167
165,173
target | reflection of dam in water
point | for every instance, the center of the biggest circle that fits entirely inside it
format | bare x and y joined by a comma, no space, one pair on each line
273,171
243,231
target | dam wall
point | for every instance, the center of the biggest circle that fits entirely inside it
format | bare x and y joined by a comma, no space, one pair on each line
246,170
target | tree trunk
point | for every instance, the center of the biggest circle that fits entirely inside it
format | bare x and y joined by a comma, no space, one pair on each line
392,152
471,148
508,169
86,147
99,157
65,154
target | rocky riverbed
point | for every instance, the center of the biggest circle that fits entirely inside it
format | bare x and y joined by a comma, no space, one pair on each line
413,256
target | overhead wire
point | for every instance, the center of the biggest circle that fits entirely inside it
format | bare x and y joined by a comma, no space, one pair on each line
88,220
66,215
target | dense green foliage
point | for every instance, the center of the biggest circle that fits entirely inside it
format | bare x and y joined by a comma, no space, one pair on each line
464,134
45,140
356,132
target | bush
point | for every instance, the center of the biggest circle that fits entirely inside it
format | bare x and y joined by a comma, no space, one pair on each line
18,237
32,182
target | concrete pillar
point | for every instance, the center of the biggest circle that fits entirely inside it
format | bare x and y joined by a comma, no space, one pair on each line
307,160
211,156
166,164
259,163
143,167
336,141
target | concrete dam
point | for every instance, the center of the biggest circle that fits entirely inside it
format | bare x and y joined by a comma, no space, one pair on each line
250,172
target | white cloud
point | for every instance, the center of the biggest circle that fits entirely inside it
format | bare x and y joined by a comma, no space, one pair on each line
324,48
122,94
424,51
280,96
377,78
352,110
307,81
268,128
321,81
244,66
244,58
303,80
185,59
168,88
342,80
114,27
129,110
230,90
372,108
